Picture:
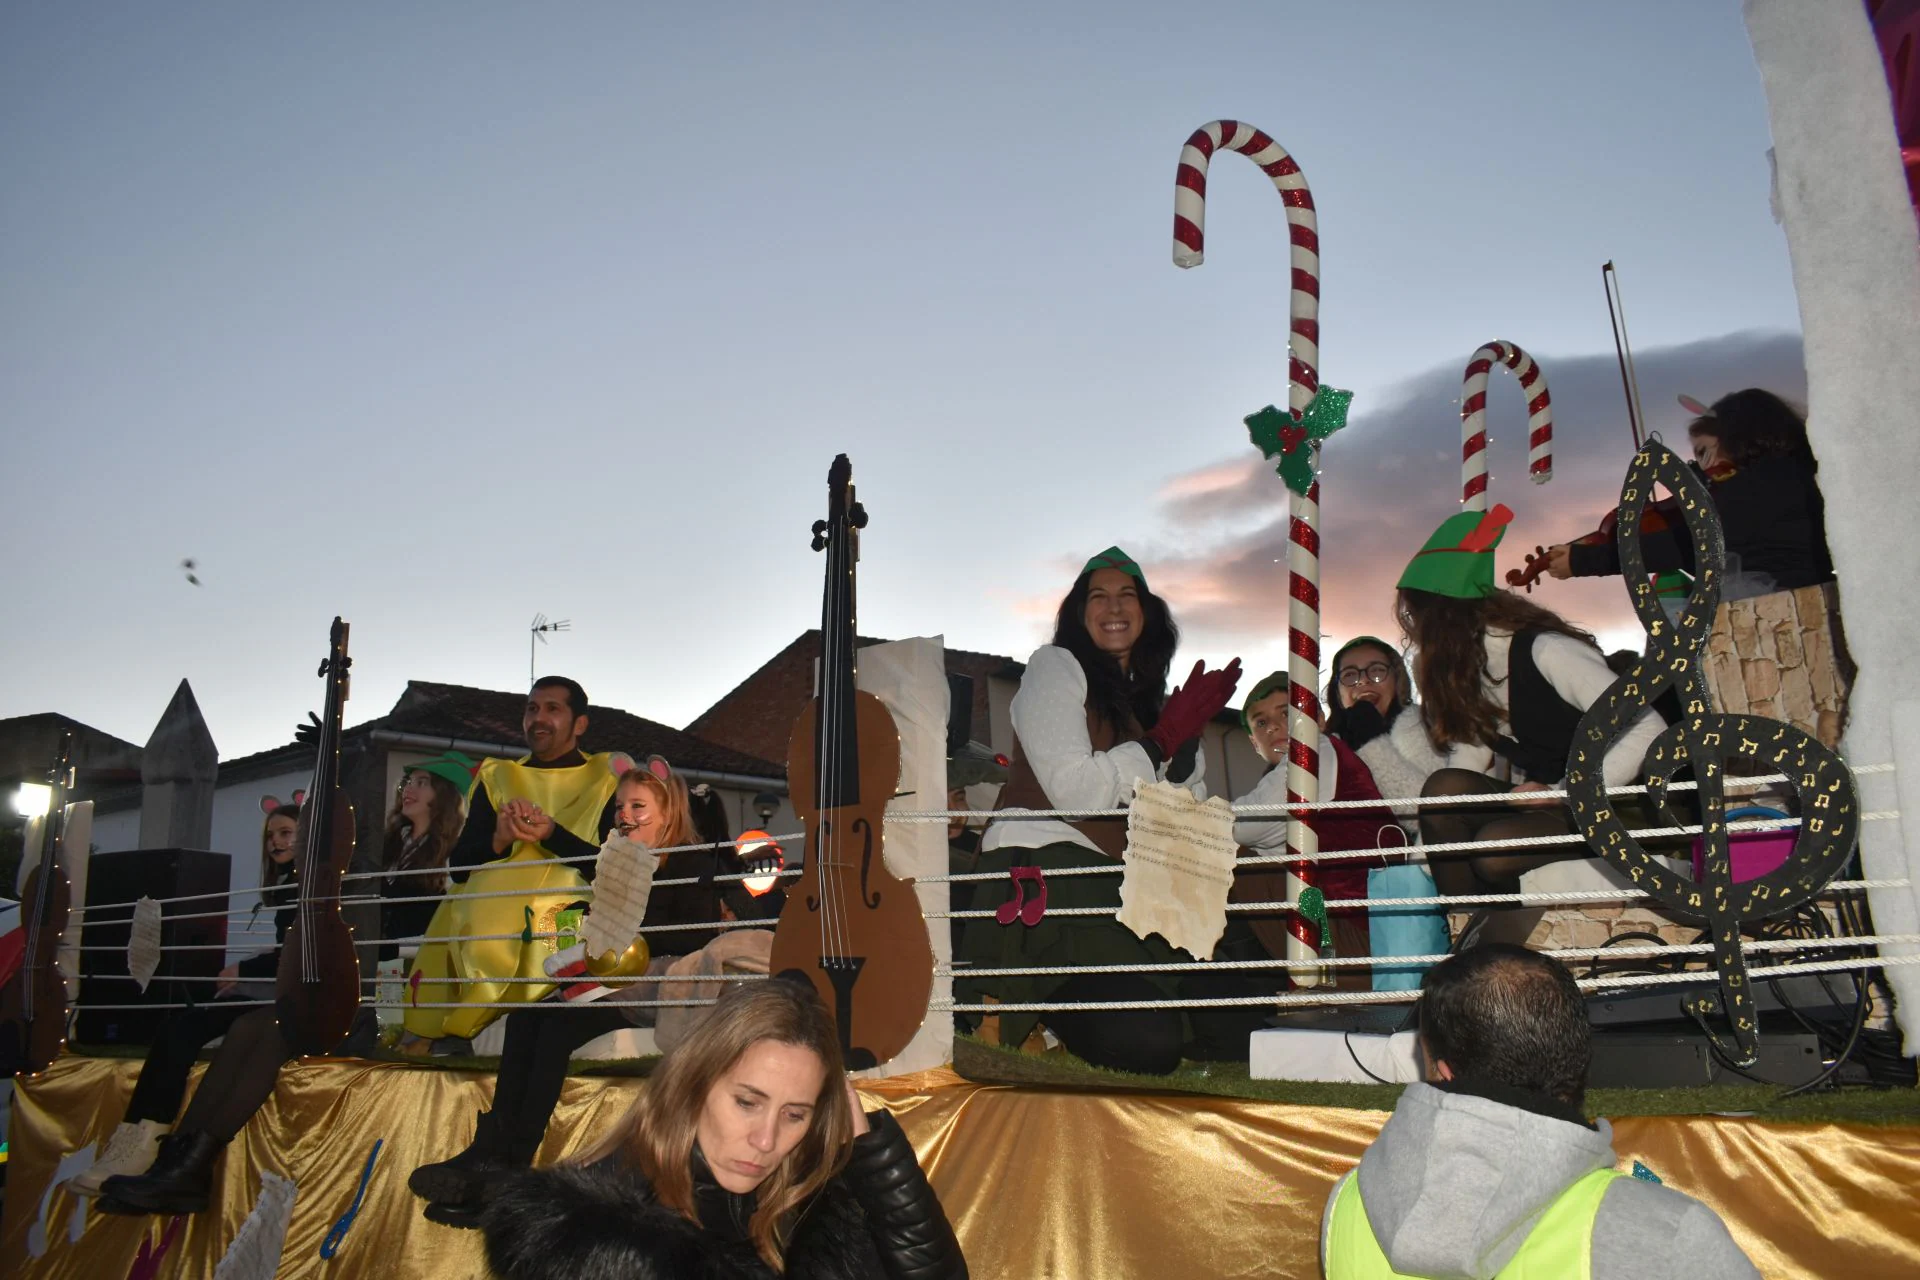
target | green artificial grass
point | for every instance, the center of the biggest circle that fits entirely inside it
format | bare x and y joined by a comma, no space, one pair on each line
1059,1069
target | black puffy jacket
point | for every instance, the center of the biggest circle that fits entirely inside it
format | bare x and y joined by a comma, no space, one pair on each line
879,1220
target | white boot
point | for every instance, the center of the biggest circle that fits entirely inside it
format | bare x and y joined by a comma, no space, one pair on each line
131,1150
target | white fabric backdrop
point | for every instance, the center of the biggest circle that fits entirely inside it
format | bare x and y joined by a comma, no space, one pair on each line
1842,198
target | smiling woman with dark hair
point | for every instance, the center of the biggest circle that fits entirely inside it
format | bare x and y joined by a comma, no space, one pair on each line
1093,718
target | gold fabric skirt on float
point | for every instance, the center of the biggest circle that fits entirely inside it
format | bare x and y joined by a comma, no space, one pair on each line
1038,1182
453,968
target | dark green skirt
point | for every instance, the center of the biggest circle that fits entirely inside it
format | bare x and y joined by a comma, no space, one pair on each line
986,944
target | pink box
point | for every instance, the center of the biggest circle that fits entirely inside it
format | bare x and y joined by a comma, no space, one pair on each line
1753,853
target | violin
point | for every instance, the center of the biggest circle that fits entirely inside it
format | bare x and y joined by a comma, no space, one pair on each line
851,927
33,1007
1662,516
317,988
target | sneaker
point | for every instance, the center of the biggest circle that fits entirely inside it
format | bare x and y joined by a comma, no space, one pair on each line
129,1150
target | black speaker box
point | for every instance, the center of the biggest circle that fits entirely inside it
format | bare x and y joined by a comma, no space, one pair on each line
115,881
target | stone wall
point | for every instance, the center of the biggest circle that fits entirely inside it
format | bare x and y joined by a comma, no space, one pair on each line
1783,656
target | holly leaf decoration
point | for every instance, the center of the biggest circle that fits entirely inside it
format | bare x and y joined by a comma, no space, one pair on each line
1295,441
1313,909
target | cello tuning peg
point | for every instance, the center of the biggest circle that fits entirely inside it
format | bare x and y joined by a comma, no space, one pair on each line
819,535
858,516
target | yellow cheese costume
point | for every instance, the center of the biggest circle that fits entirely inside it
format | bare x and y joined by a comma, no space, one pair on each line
538,886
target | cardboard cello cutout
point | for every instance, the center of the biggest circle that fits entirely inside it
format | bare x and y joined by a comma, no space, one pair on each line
1826,793
850,927
317,987
33,1007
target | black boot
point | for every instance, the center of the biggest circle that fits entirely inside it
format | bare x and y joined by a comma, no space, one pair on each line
458,1179
516,1150
180,1179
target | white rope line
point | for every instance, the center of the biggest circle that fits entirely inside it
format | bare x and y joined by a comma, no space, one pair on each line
579,979
528,1004
538,933
1361,962
497,865
503,864
1398,852
1730,782
1276,809
1689,976
1438,900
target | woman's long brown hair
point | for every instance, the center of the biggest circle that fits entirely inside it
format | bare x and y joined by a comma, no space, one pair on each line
446,814
1450,657
657,1135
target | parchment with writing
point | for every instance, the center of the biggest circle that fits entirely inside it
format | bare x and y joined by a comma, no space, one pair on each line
143,942
622,883
1179,859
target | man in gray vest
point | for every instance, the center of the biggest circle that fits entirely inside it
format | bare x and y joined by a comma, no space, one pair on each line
1492,1168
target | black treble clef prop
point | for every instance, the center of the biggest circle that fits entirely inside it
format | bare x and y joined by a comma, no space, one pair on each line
1829,802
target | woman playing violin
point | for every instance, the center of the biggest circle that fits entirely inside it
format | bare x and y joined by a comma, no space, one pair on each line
1752,449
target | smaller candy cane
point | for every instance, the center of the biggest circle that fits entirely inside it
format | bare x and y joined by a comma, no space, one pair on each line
1473,420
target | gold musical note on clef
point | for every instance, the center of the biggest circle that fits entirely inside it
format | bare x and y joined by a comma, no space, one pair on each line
1704,740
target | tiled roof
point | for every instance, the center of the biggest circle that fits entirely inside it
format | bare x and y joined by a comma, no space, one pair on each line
757,714
487,715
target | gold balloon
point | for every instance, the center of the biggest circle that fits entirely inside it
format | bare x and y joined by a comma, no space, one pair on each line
627,964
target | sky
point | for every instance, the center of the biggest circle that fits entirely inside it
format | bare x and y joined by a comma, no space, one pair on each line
441,316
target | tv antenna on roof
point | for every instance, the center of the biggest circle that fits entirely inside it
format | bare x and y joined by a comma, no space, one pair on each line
537,632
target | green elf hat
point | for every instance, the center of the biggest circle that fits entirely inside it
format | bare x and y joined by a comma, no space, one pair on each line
1275,683
456,767
1115,558
1458,559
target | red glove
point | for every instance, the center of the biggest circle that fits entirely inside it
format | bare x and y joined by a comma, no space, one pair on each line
1189,707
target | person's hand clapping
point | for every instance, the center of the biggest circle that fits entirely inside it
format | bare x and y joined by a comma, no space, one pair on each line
1189,707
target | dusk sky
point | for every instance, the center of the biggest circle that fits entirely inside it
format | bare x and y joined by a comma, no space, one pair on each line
440,315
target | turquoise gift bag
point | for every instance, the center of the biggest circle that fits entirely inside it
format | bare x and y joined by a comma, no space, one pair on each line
1403,931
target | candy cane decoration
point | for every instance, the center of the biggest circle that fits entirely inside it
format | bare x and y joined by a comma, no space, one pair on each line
1303,544
1473,420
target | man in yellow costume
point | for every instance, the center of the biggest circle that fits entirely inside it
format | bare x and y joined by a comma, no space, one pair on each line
522,816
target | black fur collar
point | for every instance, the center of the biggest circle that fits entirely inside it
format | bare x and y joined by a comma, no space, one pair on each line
603,1220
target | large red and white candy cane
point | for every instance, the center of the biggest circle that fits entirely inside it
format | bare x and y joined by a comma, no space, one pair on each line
1473,420
1303,540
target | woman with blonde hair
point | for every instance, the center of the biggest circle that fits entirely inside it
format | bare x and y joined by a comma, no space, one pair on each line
651,808
748,1155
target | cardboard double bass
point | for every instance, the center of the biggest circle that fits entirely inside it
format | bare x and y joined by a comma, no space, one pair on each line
850,926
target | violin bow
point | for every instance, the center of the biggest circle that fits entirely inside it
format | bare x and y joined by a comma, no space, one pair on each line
1623,352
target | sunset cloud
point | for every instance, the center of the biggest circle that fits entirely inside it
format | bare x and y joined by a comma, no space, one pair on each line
1394,473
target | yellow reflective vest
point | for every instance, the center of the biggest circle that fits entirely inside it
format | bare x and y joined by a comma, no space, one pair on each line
1558,1248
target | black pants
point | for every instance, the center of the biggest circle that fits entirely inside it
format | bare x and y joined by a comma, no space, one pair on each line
238,1081
1151,1042
533,1067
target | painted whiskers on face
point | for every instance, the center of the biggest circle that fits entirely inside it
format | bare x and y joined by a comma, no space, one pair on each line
758,1112
637,814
